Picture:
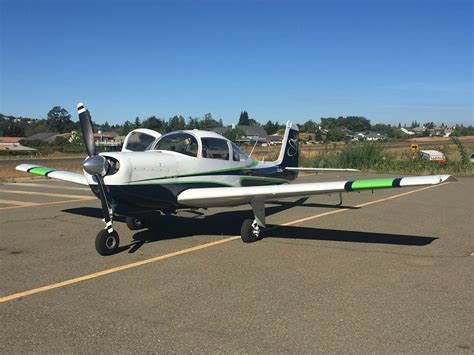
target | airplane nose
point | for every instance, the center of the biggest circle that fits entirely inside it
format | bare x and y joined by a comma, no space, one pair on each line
96,165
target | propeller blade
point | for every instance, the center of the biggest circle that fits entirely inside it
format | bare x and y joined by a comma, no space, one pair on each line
86,128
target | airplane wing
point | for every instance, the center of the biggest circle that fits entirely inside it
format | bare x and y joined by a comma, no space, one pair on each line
233,196
320,170
69,176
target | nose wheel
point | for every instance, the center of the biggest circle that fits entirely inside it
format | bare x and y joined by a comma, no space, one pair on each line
107,243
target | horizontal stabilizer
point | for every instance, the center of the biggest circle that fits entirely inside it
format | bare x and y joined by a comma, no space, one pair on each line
69,176
233,196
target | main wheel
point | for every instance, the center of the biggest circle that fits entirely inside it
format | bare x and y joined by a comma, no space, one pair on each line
107,243
135,223
250,231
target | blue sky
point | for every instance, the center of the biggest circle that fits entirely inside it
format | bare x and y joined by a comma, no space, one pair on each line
390,61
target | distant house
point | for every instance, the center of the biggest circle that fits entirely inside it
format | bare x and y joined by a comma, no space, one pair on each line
419,130
438,131
375,136
251,133
105,138
10,140
12,144
369,136
274,139
44,136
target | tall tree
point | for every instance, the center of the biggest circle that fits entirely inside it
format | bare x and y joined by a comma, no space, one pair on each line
244,119
154,123
59,120
137,122
176,123
309,127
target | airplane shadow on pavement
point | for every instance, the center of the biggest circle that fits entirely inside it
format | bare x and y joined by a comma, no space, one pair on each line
162,227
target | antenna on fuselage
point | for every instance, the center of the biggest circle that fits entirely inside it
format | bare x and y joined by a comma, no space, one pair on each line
256,141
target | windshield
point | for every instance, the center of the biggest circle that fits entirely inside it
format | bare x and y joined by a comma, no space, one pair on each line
178,142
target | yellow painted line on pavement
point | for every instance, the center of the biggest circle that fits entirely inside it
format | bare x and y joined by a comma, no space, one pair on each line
187,250
41,193
48,203
17,203
115,269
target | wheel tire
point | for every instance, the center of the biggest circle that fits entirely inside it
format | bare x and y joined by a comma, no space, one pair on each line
135,223
246,232
107,243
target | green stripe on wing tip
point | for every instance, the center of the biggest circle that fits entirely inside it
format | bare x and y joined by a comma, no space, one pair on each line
372,184
40,171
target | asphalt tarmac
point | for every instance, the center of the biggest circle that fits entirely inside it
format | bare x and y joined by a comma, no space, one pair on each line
385,272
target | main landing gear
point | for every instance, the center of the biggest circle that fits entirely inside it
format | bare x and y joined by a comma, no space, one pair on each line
135,223
251,229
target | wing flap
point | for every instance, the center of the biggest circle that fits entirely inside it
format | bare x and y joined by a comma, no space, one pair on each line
233,196
69,176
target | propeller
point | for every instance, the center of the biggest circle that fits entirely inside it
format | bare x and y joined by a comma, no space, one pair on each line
95,164
86,128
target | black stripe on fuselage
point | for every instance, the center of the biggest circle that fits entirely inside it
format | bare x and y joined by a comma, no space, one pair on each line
149,196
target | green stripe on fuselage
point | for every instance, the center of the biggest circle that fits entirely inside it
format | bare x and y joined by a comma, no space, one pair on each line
41,171
250,165
372,184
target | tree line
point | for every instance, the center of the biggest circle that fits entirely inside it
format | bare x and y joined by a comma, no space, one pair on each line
59,120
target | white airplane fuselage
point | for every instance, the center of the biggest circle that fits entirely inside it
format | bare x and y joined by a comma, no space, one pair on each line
152,179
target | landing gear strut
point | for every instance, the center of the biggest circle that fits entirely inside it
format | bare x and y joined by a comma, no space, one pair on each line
107,240
251,229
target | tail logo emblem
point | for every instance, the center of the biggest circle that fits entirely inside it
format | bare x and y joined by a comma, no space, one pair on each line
293,147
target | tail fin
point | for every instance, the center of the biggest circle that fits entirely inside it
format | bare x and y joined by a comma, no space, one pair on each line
289,148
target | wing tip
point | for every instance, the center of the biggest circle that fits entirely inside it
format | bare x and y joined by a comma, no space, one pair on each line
447,178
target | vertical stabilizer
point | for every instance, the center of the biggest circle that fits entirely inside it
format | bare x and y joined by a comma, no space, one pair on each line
289,148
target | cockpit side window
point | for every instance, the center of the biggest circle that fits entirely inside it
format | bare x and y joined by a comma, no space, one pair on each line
178,142
237,154
215,148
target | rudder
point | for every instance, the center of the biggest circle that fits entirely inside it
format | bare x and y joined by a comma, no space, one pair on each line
289,152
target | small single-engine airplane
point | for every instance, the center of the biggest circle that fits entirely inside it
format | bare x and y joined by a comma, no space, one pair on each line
195,169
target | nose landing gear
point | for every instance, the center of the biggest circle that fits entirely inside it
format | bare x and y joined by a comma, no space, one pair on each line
107,243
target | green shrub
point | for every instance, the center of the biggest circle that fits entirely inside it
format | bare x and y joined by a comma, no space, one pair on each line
368,156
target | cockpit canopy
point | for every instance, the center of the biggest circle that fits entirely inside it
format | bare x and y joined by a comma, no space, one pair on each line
139,140
209,147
